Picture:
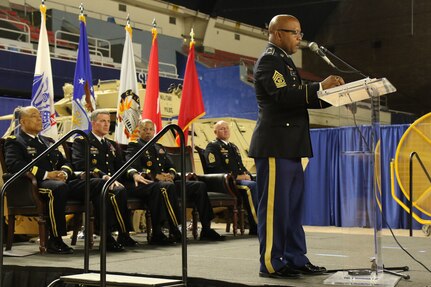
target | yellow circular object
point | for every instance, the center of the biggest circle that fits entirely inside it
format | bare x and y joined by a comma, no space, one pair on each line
417,138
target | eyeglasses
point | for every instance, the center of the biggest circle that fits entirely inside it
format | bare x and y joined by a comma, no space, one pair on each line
294,32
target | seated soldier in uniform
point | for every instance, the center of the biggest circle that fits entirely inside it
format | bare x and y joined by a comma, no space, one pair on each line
105,159
55,177
155,163
222,156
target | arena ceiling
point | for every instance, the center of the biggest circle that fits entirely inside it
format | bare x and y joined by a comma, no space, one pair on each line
259,13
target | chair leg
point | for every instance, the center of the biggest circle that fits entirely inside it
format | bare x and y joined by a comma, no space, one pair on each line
43,234
149,225
91,231
195,218
228,221
241,219
235,220
77,223
10,231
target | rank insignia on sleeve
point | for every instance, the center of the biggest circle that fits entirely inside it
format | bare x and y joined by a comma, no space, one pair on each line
211,158
278,80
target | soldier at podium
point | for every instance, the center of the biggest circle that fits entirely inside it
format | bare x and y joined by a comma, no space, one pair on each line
280,139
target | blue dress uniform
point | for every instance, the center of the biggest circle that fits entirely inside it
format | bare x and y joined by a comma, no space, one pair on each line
226,158
280,139
20,150
155,161
105,159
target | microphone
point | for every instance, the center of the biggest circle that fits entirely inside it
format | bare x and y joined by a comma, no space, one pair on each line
315,48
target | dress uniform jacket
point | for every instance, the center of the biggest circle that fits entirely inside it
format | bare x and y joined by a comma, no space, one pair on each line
224,158
282,128
105,159
20,150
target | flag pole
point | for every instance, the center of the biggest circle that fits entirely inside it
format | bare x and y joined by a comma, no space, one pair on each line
192,40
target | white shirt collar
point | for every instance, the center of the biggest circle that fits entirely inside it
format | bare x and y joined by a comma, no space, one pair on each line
97,137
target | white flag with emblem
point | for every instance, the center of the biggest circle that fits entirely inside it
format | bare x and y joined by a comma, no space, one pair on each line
42,96
128,108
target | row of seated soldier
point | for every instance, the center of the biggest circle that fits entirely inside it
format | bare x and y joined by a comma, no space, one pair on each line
152,178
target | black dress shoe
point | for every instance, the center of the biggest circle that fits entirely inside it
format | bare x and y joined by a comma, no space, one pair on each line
211,235
161,239
310,269
112,245
126,240
285,272
175,235
57,246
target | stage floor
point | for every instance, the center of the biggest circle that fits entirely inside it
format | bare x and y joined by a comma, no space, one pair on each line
235,260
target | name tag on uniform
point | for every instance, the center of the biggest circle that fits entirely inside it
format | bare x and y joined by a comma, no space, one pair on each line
94,150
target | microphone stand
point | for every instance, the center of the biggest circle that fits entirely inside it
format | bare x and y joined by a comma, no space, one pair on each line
377,264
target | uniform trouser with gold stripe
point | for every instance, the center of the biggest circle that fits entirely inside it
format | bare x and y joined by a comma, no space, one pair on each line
154,200
197,196
56,193
248,189
171,208
116,211
280,186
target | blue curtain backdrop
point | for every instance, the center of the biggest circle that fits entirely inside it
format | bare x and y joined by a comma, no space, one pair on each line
339,179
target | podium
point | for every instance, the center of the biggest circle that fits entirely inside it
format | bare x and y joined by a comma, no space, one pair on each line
365,89
356,91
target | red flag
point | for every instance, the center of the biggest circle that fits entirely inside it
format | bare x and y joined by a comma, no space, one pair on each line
192,105
151,109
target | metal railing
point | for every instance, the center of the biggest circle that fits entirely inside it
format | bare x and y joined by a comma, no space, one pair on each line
118,173
86,198
95,45
25,31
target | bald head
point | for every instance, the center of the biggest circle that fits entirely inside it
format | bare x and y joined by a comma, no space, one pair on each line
30,120
282,32
222,130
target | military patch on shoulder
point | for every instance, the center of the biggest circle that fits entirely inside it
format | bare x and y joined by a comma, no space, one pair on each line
211,158
270,51
278,79
11,137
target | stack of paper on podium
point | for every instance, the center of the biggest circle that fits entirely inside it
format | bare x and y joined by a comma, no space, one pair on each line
356,91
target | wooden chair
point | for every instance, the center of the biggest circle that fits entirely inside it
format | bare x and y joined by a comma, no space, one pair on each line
221,187
23,198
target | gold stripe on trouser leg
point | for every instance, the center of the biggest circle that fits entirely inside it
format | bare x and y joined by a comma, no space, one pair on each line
270,215
250,201
169,206
48,192
117,213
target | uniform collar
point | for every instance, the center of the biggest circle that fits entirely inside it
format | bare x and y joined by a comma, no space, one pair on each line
98,138
284,52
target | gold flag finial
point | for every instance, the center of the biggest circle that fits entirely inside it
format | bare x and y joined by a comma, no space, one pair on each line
81,13
154,29
192,36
